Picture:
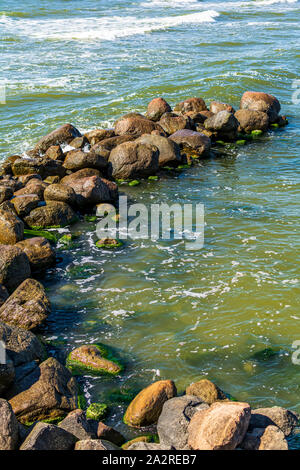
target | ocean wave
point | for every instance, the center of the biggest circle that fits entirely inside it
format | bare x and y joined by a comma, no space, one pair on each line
106,28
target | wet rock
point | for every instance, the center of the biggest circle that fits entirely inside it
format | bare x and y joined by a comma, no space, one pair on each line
3,294
257,101
169,151
63,135
24,179
97,411
42,166
9,431
284,419
55,153
175,417
91,190
195,105
11,228
104,147
171,122
79,142
135,124
221,427
53,394
98,135
156,108
77,160
107,433
7,376
60,192
269,438
6,193
217,106
53,214
77,424
206,391
252,120
48,437
192,140
149,446
24,204
92,359
33,187
95,444
27,307
133,160
224,124
14,267
146,407
39,252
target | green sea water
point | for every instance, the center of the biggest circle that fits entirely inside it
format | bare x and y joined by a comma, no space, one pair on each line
171,313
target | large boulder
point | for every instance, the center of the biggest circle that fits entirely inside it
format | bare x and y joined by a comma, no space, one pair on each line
217,106
11,228
53,393
169,151
133,160
269,438
14,267
104,147
135,124
33,187
192,140
156,108
48,437
284,419
92,359
60,192
39,252
63,135
42,166
224,124
221,427
195,105
77,160
146,407
27,307
77,424
95,444
252,120
97,135
52,215
175,417
206,391
9,431
171,122
55,152
25,203
110,434
91,190
258,101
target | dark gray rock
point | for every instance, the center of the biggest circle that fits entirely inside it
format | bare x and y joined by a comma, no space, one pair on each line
77,424
9,431
48,437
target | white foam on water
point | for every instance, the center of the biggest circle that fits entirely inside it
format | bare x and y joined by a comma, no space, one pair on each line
106,28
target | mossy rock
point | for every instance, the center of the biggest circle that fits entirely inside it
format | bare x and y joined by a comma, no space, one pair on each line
90,218
134,183
122,395
97,411
50,236
67,240
146,438
241,142
81,271
109,243
257,133
183,167
265,355
153,178
93,359
221,142
275,125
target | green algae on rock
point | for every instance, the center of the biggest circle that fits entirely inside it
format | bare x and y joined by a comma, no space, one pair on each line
97,411
108,243
94,359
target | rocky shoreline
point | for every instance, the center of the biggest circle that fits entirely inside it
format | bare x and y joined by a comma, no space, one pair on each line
65,177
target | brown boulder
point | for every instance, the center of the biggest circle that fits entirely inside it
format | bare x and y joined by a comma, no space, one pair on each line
95,444
53,214
169,151
252,120
9,431
284,419
39,252
11,228
269,438
55,153
133,160
257,101
79,142
97,135
221,427
146,407
48,437
60,192
224,124
43,166
25,203
110,434
192,104
206,390
156,108
171,122
63,135
217,106
53,394
77,160
14,267
134,124
91,190
6,193
34,186
192,140
77,424
104,147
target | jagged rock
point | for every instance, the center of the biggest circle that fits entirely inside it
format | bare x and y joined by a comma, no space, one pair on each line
257,101
195,105
269,438
133,160
95,444
284,419
60,192
53,214
252,120
156,108
169,151
206,390
39,252
27,307
11,228
48,437
192,140
107,433
77,160
52,394
77,424
63,135
14,267
9,431
146,407
221,427
175,417
171,122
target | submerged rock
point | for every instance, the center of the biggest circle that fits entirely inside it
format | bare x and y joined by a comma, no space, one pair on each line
14,267
63,135
27,307
93,359
53,215
133,160
39,252
156,108
9,430
146,407
206,391
48,437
